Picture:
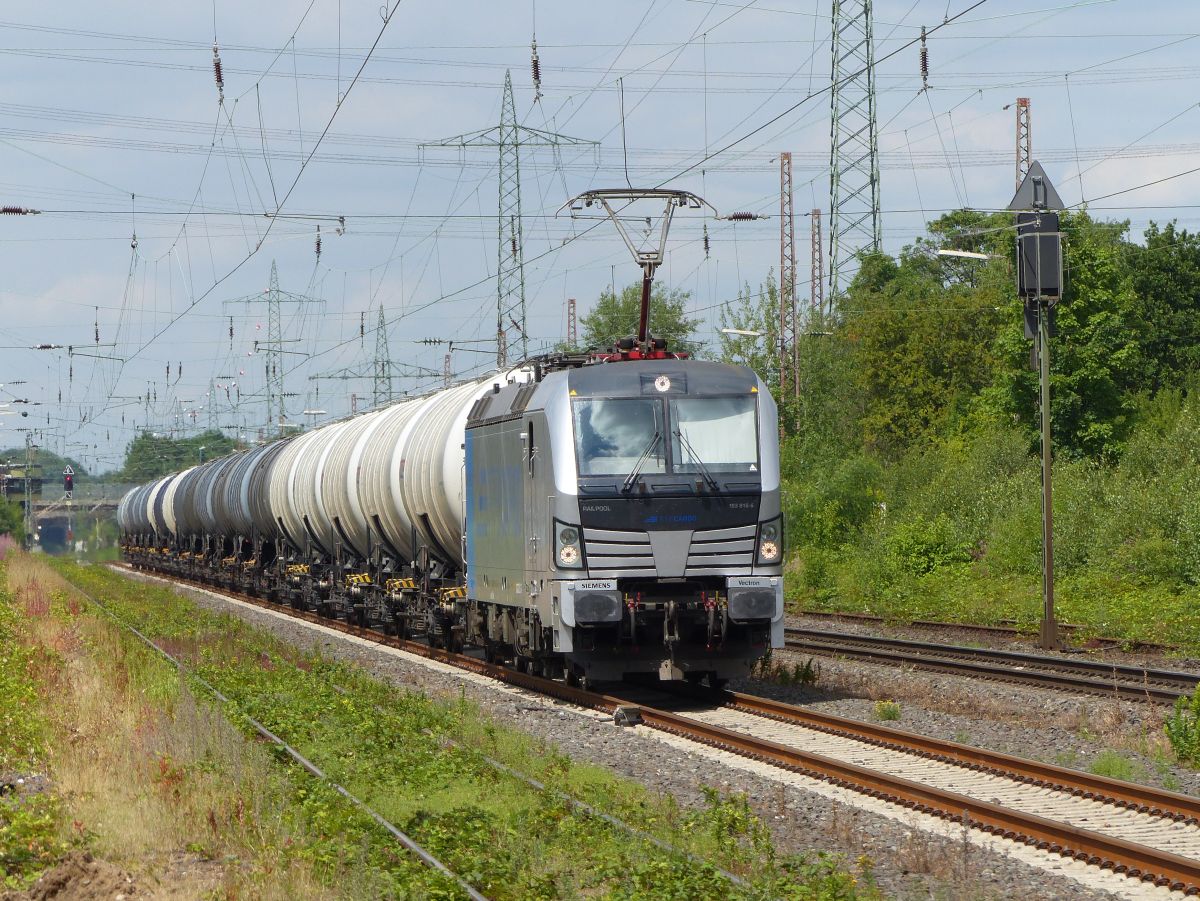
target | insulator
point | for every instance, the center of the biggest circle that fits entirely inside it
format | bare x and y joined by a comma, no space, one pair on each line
362,325
12,211
133,242
743,217
231,331
318,242
217,73
707,246
535,66
924,60
514,245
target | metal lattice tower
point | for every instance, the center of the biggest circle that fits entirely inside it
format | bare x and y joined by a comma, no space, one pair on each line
380,369
817,272
572,328
381,366
509,137
272,347
789,370
1024,139
212,404
448,370
510,263
274,362
854,142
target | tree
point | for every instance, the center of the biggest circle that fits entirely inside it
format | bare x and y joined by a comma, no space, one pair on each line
51,463
1096,360
754,312
922,346
11,521
151,456
1166,306
613,318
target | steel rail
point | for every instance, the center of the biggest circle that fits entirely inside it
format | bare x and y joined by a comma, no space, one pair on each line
1143,799
1091,676
1122,856
1006,628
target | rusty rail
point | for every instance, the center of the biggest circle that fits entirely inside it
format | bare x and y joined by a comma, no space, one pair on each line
1089,676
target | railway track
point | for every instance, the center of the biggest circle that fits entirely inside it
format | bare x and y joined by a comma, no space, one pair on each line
1004,629
1144,833
1091,676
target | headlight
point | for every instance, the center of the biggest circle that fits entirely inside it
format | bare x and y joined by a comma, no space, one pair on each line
770,542
568,546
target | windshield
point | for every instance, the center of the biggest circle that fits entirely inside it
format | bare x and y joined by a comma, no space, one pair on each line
610,435
719,433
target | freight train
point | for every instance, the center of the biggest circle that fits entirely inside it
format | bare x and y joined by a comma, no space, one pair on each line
590,517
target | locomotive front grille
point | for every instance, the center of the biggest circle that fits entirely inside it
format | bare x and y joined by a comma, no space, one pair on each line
612,553
722,551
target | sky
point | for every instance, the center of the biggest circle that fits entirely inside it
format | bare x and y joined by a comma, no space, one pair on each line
164,201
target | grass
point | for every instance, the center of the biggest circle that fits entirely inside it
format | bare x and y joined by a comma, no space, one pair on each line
389,747
144,773
30,838
887,710
1115,766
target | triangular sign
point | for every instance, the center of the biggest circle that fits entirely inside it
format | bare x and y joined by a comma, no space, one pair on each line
68,471
1036,192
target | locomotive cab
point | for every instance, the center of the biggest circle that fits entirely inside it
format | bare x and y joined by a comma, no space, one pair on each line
651,538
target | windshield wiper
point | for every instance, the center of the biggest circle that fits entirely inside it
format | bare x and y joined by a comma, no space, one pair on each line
641,461
708,478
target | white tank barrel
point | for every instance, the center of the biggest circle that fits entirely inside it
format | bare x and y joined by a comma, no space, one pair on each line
391,477
339,484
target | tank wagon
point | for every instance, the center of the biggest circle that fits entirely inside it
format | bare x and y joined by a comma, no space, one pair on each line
574,516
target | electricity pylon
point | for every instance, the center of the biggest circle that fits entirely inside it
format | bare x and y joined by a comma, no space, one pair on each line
272,347
854,142
789,371
509,137
1024,139
382,365
381,369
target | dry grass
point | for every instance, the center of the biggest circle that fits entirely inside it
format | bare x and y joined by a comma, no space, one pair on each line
155,780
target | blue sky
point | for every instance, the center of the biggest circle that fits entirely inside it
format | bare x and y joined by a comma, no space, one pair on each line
110,123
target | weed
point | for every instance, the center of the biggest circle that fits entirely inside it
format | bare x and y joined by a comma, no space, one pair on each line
1114,766
769,670
887,710
1183,729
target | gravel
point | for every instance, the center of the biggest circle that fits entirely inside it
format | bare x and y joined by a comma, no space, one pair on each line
906,862
1120,738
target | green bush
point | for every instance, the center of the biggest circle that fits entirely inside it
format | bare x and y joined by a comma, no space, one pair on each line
1183,729
920,546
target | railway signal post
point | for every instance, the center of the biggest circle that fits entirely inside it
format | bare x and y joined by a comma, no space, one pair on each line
1039,282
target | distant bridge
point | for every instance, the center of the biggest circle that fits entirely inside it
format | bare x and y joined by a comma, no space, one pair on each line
85,499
